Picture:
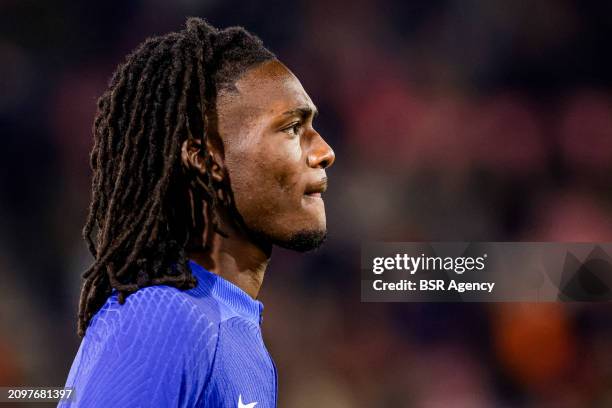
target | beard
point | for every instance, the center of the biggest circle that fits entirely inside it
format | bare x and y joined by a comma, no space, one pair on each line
300,241
303,241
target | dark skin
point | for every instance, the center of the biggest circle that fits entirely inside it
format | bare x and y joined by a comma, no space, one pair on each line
275,163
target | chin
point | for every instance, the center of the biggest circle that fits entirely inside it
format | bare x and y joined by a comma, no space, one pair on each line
304,240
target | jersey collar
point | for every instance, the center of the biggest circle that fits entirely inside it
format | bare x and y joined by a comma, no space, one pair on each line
229,294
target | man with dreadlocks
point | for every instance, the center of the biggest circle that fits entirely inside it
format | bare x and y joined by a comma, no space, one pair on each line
204,157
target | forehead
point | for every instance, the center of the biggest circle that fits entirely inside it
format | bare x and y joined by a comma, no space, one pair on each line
268,89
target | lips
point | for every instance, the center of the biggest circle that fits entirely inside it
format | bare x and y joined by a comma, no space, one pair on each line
315,189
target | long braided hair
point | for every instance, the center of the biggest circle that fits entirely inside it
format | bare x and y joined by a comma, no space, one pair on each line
142,205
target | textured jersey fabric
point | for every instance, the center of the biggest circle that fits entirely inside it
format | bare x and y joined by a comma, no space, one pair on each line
170,348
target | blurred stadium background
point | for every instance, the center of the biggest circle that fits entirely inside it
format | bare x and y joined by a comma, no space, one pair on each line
451,120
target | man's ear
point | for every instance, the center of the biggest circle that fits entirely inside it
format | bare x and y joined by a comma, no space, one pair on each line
193,158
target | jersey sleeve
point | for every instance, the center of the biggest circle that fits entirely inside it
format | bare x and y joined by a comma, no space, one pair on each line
154,350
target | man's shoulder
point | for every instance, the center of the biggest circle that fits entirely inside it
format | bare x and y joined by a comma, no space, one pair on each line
160,339
158,309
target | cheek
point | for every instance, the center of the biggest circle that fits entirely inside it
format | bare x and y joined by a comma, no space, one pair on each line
265,180
286,167
268,187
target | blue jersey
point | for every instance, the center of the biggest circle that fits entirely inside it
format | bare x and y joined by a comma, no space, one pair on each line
170,348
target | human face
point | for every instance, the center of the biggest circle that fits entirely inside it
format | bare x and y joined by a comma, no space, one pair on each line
274,157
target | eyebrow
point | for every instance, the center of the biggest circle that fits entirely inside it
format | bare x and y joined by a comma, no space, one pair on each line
302,112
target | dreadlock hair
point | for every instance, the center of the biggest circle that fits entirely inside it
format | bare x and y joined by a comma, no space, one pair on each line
163,94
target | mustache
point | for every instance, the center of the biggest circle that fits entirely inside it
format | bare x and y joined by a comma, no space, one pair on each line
317,187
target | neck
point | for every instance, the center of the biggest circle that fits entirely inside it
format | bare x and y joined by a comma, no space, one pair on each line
235,258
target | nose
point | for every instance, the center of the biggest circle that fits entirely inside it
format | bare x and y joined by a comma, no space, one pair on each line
321,154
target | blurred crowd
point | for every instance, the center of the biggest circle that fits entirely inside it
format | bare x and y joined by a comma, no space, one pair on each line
456,120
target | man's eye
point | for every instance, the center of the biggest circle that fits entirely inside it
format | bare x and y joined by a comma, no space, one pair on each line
294,129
